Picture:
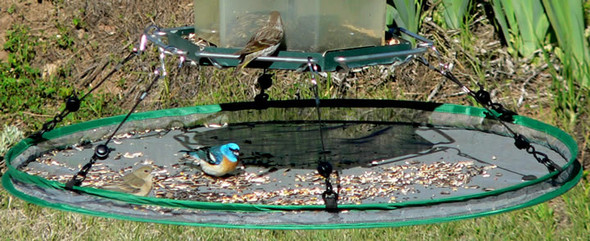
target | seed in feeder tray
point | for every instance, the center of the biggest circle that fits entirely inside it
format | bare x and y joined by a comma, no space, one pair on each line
132,155
102,171
78,147
413,162
299,178
148,162
159,193
215,125
370,185
123,136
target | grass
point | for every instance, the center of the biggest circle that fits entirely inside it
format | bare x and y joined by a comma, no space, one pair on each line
564,103
19,78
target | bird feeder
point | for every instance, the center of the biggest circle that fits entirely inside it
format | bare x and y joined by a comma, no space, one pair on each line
364,163
310,25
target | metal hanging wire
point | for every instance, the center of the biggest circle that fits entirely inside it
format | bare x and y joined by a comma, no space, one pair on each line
494,110
324,168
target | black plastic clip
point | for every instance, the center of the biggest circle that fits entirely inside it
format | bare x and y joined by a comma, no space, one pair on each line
102,152
523,144
72,105
329,196
264,82
330,200
483,97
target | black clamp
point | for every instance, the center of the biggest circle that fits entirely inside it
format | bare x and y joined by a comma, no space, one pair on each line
101,152
75,181
72,105
329,196
264,82
523,144
483,97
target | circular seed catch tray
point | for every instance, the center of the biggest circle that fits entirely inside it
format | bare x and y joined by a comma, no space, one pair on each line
395,163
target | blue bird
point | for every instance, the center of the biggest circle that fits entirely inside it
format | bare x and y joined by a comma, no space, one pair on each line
217,160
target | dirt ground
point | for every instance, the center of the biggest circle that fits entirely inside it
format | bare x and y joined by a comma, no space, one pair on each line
110,28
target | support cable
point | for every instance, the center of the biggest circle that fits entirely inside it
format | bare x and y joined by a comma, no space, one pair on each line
324,168
102,151
504,115
73,102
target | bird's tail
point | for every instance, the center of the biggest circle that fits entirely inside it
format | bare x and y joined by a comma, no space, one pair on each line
244,61
190,153
189,161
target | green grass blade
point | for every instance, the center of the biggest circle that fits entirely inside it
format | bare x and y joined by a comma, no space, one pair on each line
454,12
501,19
567,20
406,14
504,14
532,25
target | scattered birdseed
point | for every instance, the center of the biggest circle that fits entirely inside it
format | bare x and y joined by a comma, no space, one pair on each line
391,183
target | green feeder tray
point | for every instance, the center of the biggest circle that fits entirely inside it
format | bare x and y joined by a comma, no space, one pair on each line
178,43
398,163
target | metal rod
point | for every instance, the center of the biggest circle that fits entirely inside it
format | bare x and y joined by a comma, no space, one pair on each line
416,36
344,60
300,60
154,34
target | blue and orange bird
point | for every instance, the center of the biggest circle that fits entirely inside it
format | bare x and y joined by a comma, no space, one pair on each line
217,160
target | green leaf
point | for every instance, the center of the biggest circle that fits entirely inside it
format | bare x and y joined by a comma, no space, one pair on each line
523,24
567,20
406,14
532,25
504,14
454,12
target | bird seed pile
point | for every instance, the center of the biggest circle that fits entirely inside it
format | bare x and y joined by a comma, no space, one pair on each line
287,186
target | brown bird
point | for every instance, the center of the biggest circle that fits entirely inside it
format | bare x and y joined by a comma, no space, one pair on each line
138,182
265,41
